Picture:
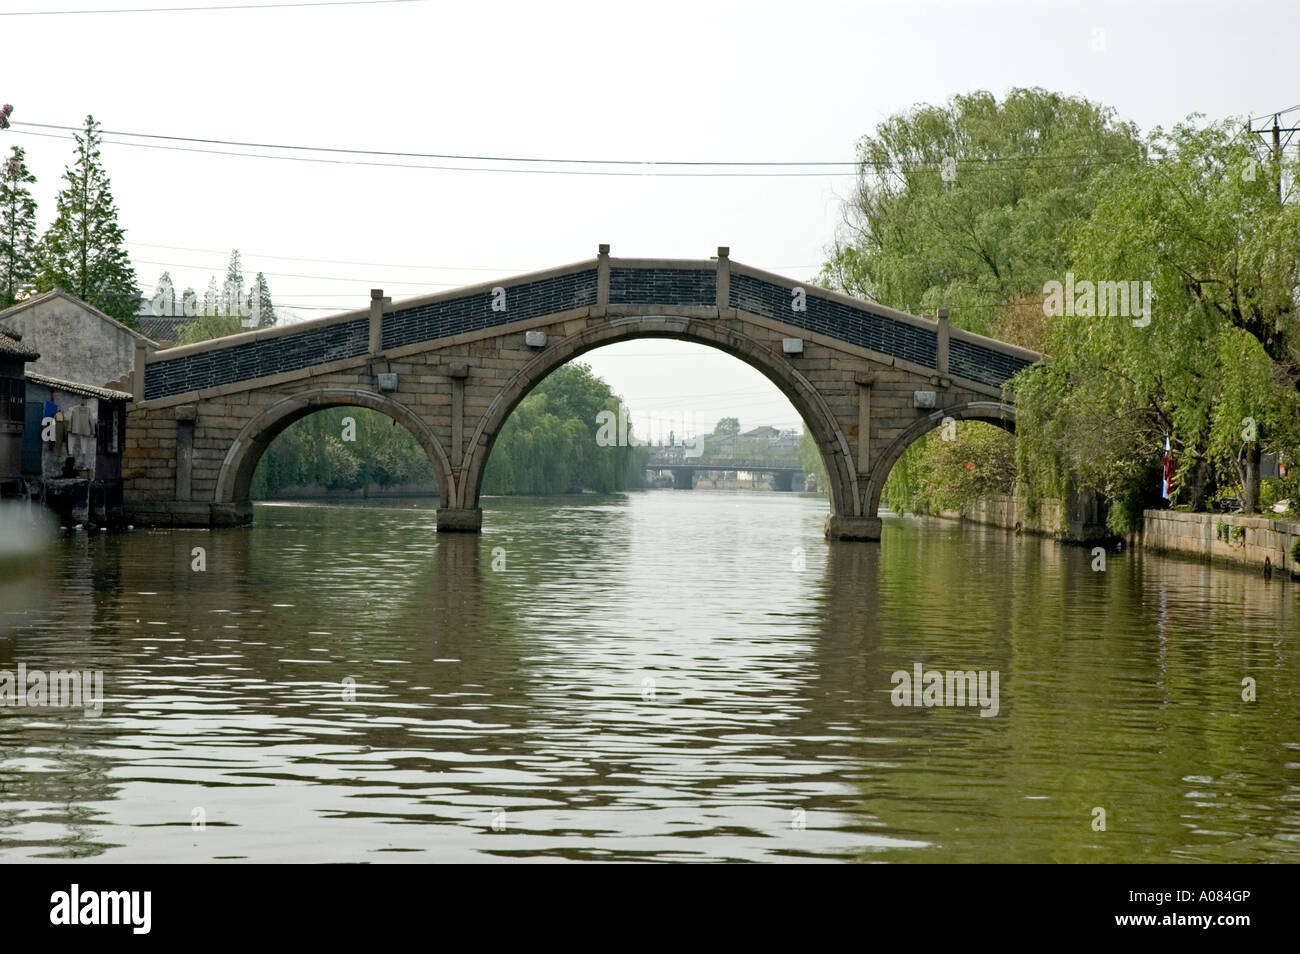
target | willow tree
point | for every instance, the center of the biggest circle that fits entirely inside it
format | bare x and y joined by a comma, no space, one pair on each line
1214,365
970,205
549,444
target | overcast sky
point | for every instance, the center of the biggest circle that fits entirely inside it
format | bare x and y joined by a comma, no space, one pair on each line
745,81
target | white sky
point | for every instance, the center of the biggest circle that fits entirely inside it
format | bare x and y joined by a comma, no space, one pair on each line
650,81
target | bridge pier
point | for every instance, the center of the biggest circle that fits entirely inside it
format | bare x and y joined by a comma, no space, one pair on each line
852,528
783,480
460,520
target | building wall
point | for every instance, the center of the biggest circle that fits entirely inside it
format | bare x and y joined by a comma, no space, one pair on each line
75,344
78,434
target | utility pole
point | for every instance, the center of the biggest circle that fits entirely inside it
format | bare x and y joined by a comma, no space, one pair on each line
1276,147
1277,157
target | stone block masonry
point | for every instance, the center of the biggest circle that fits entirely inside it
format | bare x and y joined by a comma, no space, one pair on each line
462,363
1254,542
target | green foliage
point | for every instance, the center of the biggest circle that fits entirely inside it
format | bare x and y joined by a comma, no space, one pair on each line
1275,490
728,426
232,290
207,327
1295,550
17,228
83,251
902,490
313,452
1191,211
811,458
994,229
935,474
1204,232
263,306
1124,515
548,445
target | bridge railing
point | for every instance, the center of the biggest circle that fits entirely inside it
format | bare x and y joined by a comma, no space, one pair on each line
603,286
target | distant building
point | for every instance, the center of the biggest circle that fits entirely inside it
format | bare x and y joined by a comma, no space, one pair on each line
76,341
162,319
13,397
164,329
762,433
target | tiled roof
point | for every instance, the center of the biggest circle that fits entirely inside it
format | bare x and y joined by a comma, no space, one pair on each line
86,390
162,329
12,347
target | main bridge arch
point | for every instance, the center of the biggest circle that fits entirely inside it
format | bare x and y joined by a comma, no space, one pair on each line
450,367
816,414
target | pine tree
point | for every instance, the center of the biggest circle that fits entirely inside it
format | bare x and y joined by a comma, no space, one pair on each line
164,296
263,308
232,291
17,229
189,303
83,250
211,304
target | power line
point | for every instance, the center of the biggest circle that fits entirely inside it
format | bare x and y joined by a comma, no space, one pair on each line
507,270
247,257
334,261
449,156
988,161
856,165
323,278
442,168
240,6
1279,112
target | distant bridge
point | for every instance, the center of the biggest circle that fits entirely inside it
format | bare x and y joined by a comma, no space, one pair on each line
867,380
664,462
684,468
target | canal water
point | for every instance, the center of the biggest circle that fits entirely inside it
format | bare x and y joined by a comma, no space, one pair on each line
660,676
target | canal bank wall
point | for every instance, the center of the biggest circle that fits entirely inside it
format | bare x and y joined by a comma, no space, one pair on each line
1079,518
1246,541
1254,542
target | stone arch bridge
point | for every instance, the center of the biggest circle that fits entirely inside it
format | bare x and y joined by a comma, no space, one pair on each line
450,367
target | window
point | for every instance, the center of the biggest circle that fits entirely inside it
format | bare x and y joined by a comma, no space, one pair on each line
13,399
